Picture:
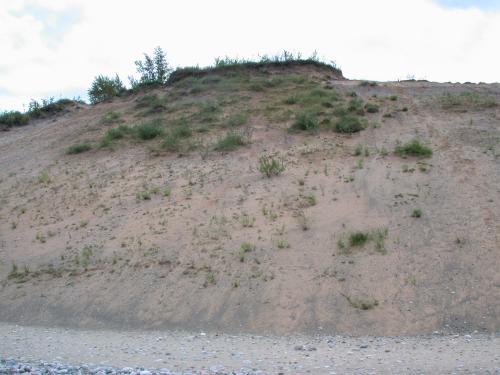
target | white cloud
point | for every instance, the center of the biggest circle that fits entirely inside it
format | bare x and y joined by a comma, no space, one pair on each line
381,40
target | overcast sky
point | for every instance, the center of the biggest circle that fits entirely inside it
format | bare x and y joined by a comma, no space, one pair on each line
56,47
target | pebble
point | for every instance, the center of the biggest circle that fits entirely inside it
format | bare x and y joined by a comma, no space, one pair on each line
11,366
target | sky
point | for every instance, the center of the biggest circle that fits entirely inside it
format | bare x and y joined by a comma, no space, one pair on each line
57,47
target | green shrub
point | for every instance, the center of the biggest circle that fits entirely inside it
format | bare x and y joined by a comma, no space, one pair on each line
231,141
349,124
270,166
13,118
413,148
149,130
371,107
78,148
104,88
47,107
305,121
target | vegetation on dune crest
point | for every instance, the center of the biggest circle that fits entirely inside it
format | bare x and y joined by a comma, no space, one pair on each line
45,108
467,101
104,88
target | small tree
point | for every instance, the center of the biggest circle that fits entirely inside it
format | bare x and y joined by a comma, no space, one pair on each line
153,70
105,88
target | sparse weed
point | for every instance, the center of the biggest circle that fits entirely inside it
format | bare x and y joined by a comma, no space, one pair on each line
245,247
360,238
44,177
270,166
283,244
362,303
247,221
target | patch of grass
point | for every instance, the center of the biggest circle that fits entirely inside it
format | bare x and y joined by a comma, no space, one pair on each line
152,102
349,124
371,108
210,279
237,119
245,247
305,121
41,238
393,98
283,244
247,221
360,238
208,112
413,148
340,111
111,117
291,100
149,130
361,150
270,166
467,100
416,212
231,141
78,148
44,177
171,142
115,134
144,195
356,106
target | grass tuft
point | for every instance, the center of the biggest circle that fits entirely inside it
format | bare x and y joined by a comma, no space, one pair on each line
78,148
231,141
413,148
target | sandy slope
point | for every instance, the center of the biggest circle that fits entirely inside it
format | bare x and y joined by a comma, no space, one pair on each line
174,261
